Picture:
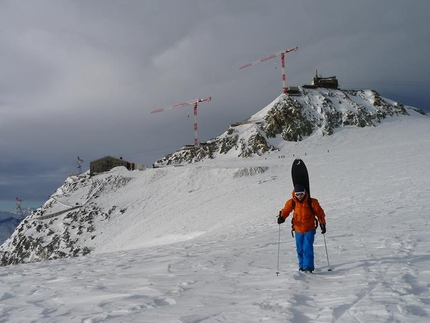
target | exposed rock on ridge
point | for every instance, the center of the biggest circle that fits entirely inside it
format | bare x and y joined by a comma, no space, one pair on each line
58,230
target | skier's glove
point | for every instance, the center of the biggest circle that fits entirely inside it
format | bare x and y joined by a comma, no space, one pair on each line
323,229
280,220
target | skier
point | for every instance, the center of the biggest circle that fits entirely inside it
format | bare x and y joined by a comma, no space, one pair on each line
304,224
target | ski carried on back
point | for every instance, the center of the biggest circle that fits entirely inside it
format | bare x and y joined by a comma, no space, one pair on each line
299,174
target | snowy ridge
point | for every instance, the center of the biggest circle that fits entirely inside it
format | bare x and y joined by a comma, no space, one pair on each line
199,243
293,118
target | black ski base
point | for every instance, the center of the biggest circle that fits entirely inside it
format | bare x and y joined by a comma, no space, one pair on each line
299,174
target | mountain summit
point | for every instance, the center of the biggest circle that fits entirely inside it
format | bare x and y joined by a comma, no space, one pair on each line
292,118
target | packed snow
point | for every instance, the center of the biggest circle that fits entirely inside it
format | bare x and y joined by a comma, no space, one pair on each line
199,243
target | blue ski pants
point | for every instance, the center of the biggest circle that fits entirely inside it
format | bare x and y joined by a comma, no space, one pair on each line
305,249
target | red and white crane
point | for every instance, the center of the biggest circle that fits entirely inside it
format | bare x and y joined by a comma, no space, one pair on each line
183,104
282,54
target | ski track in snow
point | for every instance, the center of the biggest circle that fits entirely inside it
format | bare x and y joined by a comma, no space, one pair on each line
377,239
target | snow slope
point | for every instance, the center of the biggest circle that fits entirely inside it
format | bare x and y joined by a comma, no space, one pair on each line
199,243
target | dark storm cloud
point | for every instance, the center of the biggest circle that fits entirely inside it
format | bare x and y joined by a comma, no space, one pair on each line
81,77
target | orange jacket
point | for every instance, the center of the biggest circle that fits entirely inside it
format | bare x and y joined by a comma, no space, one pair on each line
303,218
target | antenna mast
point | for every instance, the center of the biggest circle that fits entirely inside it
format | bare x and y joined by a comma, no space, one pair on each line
183,104
18,206
282,54
79,161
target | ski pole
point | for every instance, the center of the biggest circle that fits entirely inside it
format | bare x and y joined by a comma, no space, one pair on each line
279,247
326,253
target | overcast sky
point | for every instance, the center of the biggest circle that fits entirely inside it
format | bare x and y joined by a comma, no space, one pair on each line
81,77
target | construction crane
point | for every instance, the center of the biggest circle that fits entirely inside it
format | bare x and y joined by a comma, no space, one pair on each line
282,54
183,104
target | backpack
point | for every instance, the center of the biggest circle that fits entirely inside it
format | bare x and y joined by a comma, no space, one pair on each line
292,218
